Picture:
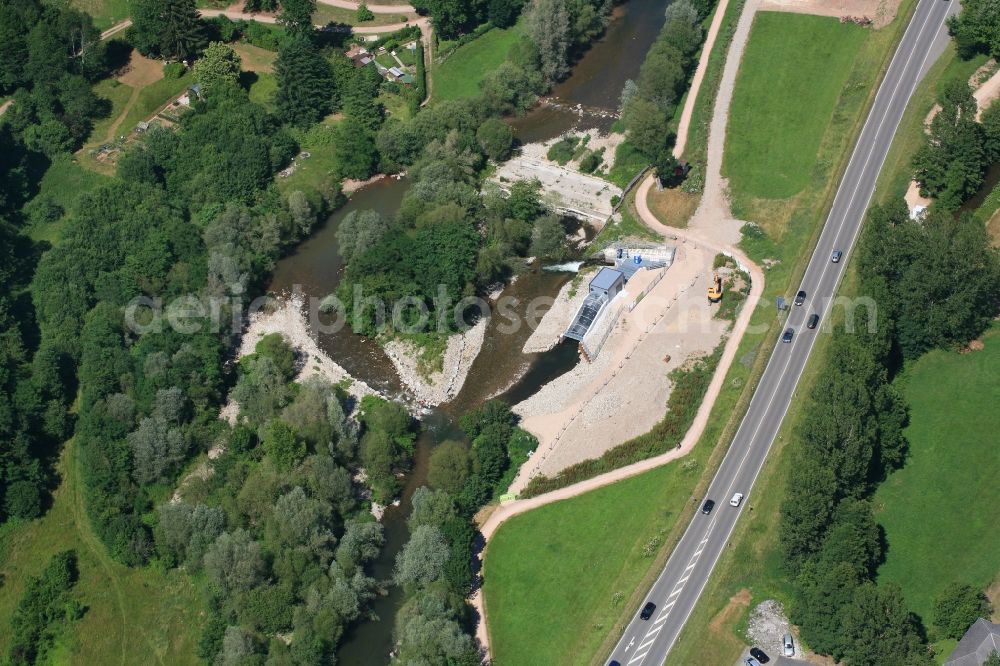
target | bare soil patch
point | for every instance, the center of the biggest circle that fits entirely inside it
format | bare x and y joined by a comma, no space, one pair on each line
624,392
140,71
722,639
672,206
880,11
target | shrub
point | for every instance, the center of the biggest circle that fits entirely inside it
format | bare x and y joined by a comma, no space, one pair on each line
173,70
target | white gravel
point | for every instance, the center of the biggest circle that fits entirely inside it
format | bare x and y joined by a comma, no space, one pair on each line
564,186
438,387
288,319
767,625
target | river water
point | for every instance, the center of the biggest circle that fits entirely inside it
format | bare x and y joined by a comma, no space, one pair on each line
500,370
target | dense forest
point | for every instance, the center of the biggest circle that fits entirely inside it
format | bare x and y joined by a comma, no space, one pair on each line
274,525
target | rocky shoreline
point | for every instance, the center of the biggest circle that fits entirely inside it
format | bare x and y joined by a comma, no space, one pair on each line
441,386
288,319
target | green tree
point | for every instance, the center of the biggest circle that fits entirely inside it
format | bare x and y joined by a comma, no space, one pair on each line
880,630
977,28
234,562
363,14
449,466
951,165
167,28
43,610
423,558
359,545
261,389
281,444
219,63
430,507
305,82
354,149
359,231
275,347
296,15
548,239
957,607
990,121
496,138
449,16
547,23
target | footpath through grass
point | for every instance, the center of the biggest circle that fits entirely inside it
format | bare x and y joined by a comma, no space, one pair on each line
792,73
940,510
558,577
133,616
460,73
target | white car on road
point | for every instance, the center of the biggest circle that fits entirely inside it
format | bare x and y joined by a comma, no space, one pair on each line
737,498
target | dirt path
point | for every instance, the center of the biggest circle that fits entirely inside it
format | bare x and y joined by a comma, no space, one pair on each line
683,126
713,217
85,531
115,29
235,15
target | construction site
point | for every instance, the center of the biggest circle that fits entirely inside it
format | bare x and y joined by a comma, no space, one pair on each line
639,316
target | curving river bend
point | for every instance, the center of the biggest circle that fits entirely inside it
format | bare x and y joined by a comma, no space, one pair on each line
315,269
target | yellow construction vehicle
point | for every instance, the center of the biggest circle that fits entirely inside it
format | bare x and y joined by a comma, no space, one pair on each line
715,289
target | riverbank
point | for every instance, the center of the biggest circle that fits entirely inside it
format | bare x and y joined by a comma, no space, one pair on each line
554,322
288,318
623,393
430,389
565,187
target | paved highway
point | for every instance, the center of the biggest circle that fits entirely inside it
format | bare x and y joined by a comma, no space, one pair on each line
676,591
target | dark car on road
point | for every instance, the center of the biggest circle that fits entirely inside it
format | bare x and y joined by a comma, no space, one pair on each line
787,337
759,655
835,257
800,298
707,507
647,610
812,321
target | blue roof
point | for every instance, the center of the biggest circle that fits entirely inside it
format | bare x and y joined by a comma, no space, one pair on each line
606,278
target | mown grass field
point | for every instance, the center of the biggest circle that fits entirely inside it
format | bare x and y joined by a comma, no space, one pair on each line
105,12
940,510
557,578
459,74
133,616
64,181
792,74
325,14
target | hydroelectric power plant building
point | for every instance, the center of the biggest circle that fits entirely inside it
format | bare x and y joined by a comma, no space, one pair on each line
604,287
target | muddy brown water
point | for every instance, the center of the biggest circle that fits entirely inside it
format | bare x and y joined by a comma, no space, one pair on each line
598,77
500,370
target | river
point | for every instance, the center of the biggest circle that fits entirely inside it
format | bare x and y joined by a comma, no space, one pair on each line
500,370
